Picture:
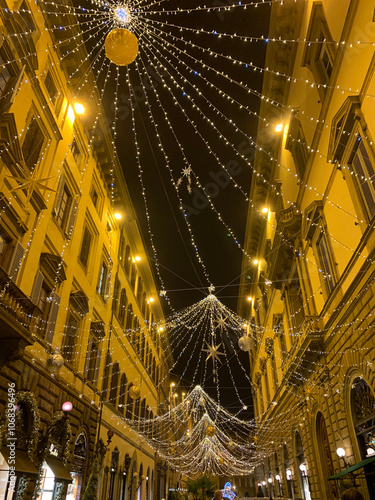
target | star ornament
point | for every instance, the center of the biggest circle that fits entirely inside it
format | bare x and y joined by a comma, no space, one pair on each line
31,183
213,352
221,323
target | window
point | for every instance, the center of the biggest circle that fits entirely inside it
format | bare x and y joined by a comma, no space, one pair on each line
64,208
5,76
362,164
133,277
278,328
114,384
295,306
85,247
128,260
75,149
129,318
326,266
296,144
54,95
103,280
316,231
107,367
32,144
5,242
122,395
319,52
93,354
69,347
122,306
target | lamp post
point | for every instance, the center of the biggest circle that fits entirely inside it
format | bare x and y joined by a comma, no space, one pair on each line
289,479
278,479
305,481
341,454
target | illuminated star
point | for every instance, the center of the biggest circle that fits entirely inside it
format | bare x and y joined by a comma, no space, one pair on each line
178,183
31,183
186,172
213,352
189,188
221,323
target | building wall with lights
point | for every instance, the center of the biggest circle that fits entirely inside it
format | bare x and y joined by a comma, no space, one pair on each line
80,317
309,299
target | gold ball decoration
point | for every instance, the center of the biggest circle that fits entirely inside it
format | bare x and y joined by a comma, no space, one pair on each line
210,431
121,46
55,362
221,460
134,392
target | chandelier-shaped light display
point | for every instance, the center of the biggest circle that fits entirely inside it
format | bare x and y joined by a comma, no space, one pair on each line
198,436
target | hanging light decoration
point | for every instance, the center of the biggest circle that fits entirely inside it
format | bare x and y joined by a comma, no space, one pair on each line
134,391
210,431
121,46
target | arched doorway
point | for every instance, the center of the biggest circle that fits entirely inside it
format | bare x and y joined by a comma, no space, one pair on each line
78,468
301,467
362,404
325,456
287,472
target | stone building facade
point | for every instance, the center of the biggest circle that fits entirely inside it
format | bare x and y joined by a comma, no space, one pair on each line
80,316
307,286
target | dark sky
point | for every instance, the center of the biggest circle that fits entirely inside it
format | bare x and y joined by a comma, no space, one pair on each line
169,59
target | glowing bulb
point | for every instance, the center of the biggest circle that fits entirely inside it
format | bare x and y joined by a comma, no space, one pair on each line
79,108
151,299
173,384
161,329
249,298
278,127
67,406
118,215
264,210
341,452
370,451
255,261
264,483
270,480
137,258
277,477
302,468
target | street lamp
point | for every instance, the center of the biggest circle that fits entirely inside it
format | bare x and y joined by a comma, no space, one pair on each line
270,486
341,454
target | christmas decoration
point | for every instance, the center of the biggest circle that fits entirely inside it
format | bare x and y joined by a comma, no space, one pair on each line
121,46
210,431
91,491
134,392
55,362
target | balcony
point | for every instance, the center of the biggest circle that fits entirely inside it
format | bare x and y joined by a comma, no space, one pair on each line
17,319
305,352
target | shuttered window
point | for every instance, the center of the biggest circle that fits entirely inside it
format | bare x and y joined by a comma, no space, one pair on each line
32,144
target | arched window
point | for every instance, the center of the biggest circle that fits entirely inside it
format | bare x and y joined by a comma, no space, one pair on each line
133,276
116,296
106,374
144,301
114,384
136,411
143,413
122,306
362,404
122,395
129,404
153,372
129,318
140,290
128,259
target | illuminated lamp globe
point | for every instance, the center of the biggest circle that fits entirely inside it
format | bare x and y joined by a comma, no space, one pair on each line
245,343
121,46
134,392
210,431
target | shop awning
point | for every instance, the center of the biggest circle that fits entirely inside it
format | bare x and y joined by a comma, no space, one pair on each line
353,468
59,470
23,463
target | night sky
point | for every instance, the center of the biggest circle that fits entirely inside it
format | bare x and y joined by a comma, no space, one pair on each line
183,63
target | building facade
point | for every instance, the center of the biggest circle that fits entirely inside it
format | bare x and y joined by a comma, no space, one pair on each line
80,316
307,286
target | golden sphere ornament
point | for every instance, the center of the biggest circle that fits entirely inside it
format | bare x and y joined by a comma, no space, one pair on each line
121,46
221,460
210,431
134,392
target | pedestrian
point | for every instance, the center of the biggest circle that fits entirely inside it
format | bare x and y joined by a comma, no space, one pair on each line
218,495
260,493
246,494
352,494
